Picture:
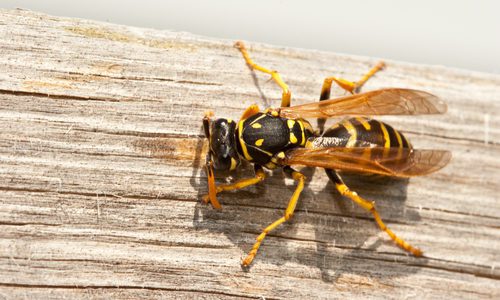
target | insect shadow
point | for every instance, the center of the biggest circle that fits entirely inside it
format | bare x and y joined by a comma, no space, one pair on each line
327,231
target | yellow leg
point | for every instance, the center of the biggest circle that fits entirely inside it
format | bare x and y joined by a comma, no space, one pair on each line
250,111
288,214
287,94
259,176
349,86
212,194
209,165
358,84
370,206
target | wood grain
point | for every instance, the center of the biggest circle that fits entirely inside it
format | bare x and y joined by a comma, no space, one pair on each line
100,178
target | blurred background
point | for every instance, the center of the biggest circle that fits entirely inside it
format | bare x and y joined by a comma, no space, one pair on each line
459,34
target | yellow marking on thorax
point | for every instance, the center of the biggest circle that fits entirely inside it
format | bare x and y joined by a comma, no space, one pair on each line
273,112
303,142
352,132
290,123
255,121
364,122
242,142
256,125
387,140
263,151
259,142
293,138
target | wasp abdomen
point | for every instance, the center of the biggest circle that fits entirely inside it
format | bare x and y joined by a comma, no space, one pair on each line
363,132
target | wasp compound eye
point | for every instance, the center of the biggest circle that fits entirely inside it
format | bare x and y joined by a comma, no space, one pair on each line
223,144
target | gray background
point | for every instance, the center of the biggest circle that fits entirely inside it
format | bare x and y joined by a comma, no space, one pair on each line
462,34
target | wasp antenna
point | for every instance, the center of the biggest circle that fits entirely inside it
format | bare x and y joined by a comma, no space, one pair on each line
206,123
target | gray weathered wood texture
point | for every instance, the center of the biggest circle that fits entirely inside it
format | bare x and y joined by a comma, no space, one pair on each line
100,178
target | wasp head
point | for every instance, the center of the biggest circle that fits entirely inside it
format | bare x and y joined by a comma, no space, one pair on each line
222,143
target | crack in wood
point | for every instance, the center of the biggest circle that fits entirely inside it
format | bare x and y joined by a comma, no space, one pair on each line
127,287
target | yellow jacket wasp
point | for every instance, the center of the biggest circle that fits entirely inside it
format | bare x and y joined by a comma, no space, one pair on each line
281,137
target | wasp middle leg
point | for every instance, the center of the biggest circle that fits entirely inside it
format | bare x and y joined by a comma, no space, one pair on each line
287,94
300,178
370,206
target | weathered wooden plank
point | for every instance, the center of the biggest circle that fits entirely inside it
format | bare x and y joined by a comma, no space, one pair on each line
100,175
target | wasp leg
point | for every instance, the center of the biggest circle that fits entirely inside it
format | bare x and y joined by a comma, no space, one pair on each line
250,111
287,94
212,194
259,176
349,86
370,206
300,178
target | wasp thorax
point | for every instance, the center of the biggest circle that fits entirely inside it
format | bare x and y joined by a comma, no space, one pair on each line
223,144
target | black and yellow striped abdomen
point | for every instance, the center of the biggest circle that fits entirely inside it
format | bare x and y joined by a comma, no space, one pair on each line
363,132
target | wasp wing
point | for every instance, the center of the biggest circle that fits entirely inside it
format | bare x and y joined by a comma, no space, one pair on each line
397,162
393,101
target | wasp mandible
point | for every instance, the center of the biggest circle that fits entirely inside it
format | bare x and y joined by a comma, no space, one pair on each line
282,137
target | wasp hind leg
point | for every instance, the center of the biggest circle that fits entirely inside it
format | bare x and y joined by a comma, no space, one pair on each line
370,206
287,94
349,86
300,178
260,175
